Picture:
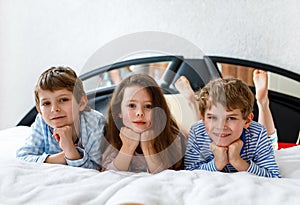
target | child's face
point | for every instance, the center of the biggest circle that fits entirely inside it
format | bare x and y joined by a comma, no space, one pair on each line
224,126
59,108
136,109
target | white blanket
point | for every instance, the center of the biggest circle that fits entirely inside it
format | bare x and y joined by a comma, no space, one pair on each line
31,183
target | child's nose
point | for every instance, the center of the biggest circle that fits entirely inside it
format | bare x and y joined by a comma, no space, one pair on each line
55,108
140,112
222,124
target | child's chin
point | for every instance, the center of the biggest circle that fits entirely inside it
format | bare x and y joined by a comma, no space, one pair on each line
137,130
222,144
140,129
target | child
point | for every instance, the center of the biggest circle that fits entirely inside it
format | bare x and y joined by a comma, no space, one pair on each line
260,79
141,133
65,131
226,139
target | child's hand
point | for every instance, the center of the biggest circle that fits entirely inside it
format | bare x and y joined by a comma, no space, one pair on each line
63,135
129,138
147,141
130,141
234,157
220,155
234,150
148,135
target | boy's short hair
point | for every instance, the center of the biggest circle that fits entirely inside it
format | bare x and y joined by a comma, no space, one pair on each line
232,93
57,78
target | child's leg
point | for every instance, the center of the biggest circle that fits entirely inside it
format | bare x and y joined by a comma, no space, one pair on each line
260,79
184,88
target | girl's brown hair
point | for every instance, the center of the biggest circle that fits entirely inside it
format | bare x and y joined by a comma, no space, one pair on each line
56,78
170,155
232,93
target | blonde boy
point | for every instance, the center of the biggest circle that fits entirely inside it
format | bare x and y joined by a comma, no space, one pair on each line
226,139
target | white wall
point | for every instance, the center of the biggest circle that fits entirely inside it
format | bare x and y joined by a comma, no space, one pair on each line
36,34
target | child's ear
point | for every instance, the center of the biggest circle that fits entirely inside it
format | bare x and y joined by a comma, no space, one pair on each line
201,117
38,109
83,102
248,120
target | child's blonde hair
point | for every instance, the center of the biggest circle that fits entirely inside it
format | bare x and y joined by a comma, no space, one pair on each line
57,78
232,93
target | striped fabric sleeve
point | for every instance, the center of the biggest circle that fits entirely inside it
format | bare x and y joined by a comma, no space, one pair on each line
264,164
194,159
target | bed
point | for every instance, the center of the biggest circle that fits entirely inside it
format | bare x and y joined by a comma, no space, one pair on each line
31,183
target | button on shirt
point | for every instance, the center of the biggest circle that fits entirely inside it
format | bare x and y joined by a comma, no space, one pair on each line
40,144
257,151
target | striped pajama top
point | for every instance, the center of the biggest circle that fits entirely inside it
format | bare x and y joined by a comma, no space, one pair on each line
257,151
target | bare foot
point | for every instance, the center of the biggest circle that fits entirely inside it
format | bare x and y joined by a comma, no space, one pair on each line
260,79
184,87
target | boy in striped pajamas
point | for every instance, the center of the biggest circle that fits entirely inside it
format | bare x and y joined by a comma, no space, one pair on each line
226,139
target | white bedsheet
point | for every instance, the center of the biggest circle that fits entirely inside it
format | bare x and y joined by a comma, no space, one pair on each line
31,183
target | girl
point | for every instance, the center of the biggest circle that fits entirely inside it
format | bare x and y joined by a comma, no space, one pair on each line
141,134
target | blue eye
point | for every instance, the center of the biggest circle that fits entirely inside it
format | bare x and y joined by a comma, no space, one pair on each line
231,118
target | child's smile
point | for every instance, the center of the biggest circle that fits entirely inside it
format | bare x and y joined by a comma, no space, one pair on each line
221,135
224,126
